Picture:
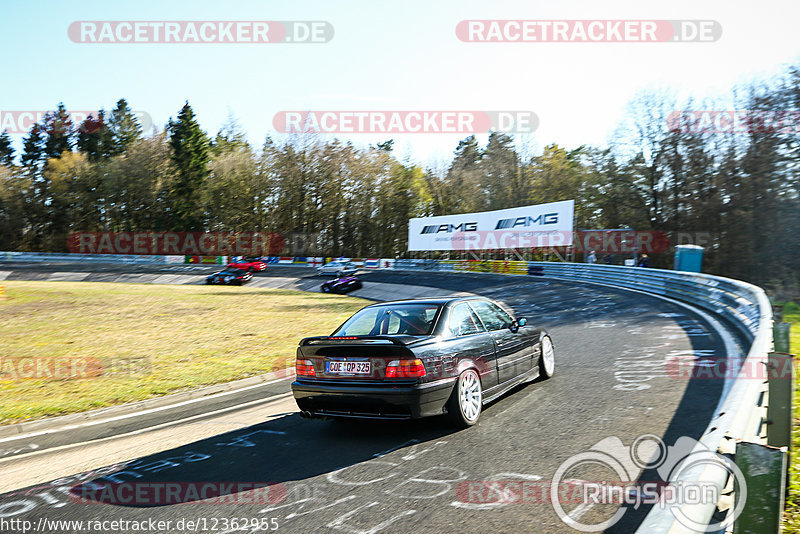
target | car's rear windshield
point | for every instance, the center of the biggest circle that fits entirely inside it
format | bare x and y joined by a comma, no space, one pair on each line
409,319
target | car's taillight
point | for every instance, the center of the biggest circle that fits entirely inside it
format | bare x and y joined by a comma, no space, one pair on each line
304,368
405,369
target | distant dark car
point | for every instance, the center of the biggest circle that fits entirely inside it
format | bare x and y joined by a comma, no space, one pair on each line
249,264
341,285
417,358
235,277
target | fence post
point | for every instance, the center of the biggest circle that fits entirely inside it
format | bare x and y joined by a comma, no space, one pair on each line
780,335
763,468
780,377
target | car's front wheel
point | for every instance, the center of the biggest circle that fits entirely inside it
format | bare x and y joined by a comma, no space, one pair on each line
547,361
466,401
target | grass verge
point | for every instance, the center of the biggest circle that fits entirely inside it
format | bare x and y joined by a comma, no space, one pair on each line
69,347
791,313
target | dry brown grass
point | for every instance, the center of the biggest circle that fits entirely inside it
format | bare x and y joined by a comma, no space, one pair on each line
150,339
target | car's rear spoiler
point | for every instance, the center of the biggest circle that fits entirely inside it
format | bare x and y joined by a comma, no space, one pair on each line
360,340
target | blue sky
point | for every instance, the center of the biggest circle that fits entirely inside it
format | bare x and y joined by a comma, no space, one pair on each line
387,56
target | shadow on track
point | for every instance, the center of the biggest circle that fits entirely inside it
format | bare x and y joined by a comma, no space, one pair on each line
268,454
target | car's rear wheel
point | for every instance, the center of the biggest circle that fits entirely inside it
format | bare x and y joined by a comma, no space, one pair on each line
466,401
326,289
547,361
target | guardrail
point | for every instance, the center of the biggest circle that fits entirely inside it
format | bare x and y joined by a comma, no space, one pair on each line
54,257
40,257
740,415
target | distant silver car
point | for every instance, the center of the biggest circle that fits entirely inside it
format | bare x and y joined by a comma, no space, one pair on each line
337,267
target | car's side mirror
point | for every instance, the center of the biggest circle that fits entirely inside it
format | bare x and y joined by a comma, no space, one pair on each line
522,321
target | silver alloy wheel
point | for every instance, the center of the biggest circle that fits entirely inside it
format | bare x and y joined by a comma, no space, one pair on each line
548,356
470,395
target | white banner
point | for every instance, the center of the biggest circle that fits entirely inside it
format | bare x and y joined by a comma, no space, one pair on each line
542,225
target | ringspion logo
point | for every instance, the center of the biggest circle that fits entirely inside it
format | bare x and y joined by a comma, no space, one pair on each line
199,31
404,122
588,31
619,468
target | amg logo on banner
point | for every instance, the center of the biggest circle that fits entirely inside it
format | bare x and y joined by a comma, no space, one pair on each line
546,218
177,243
463,227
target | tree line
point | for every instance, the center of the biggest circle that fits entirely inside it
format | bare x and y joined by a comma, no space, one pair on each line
657,173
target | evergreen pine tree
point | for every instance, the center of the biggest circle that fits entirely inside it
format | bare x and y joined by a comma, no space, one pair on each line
6,150
190,154
124,127
33,148
95,138
58,132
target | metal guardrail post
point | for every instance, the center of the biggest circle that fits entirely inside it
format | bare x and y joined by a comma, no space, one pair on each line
780,335
763,468
780,372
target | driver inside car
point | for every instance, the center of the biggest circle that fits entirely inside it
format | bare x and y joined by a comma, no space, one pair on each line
414,324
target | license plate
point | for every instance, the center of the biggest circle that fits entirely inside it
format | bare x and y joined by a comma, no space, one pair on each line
347,368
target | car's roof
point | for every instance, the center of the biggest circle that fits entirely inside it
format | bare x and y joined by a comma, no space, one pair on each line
439,301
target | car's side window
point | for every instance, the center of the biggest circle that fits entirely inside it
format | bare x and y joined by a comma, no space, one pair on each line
463,321
493,317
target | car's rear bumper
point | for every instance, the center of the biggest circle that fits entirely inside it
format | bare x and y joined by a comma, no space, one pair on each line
372,401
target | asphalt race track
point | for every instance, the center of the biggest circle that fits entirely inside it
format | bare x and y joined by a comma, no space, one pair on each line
420,476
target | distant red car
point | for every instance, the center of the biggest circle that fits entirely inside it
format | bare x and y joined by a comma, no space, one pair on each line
249,264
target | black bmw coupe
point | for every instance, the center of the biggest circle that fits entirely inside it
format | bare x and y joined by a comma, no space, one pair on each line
230,276
342,284
418,358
